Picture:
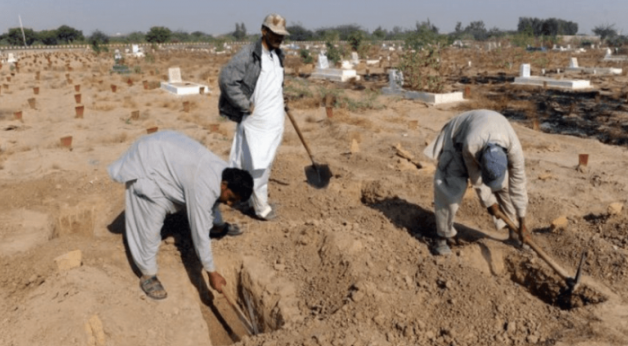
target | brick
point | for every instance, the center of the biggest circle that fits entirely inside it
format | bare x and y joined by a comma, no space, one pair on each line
615,208
69,260
560,223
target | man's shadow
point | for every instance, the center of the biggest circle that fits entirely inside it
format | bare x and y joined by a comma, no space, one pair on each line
177,226
421,223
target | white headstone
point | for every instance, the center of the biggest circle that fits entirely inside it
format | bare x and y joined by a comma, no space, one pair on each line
543,71
395,79
469,63
524,71
609,52
11,59
347,65
355,59
573,62
136,48
174,75
323,63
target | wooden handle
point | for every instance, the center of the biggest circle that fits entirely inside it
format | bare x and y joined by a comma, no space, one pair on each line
528,240
296,127
247,324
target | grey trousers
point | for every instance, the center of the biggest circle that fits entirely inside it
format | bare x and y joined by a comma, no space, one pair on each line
450,185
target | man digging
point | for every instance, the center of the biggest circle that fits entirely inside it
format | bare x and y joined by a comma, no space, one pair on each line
164,172
251,93
482,147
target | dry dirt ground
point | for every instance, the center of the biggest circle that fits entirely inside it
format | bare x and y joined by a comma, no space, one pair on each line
345,265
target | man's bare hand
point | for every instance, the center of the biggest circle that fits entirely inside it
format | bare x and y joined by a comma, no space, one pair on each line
216,281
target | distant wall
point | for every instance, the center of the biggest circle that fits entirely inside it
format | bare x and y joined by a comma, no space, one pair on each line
571,38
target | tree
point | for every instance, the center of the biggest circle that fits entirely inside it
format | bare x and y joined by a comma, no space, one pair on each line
158,34
48,37
66,34
380,34
355,40
180,36
299,33
135,37
426,27
605,31
98,37
240,32
14,36
546,27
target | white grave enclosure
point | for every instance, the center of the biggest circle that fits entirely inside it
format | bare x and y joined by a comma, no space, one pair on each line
323,71
573,67
526,79
177,86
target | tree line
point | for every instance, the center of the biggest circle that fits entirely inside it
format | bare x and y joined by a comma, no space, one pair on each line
424,32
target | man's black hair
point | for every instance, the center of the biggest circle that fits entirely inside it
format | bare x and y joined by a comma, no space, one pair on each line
239,182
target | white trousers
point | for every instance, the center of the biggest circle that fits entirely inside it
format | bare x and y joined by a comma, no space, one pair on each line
240,157
450,185
144,217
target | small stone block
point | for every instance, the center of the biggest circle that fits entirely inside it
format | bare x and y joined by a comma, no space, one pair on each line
615,208
560,223
69,260
355,147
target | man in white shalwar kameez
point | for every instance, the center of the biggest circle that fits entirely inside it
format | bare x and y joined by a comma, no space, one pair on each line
164,172
260,129
482,147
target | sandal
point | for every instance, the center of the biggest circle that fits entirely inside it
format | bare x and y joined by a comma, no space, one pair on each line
153,288
218,232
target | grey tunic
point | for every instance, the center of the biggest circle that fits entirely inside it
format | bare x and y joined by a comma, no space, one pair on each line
169,164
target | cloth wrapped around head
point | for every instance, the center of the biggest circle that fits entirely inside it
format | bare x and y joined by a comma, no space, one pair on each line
494,163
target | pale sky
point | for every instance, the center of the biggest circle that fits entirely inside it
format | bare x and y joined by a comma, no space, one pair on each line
219,17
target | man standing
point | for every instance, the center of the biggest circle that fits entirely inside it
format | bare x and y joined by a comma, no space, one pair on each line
482,147
251,93
164,172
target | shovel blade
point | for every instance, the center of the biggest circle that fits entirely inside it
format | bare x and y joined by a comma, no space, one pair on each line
318,176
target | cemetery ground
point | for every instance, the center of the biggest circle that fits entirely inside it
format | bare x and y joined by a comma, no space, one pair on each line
345,265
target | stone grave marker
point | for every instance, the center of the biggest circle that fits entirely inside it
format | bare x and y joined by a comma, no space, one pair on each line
355,59
174,75
524,71
322,63
573,62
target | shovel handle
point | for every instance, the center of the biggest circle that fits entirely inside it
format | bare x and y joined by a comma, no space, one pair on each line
245,321
296,127
528,240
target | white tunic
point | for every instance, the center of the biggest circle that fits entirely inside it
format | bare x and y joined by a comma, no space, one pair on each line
264,127
174,166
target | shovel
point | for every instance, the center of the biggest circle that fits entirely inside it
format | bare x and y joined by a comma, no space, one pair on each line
317,175
571,282
245,321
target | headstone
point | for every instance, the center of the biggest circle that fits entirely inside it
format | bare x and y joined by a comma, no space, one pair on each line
174,75
395,79
347,65
573,62
609,52
117,56
322,63
11,58
136,49
524,71
355,59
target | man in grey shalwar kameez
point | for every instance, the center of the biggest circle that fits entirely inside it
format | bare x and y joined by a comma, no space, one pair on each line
482,147
164,172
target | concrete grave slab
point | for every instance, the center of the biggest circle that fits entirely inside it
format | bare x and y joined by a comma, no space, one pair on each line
177,86
335,74
435,99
